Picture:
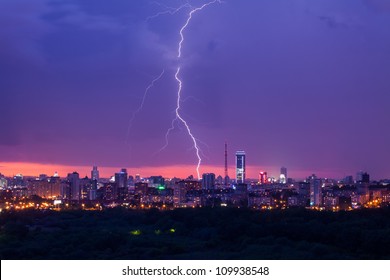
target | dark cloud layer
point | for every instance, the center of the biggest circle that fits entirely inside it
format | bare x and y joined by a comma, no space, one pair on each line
298,83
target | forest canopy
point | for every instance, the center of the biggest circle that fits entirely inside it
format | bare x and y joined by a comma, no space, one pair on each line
204,233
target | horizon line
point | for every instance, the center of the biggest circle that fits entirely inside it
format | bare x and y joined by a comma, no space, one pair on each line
34,169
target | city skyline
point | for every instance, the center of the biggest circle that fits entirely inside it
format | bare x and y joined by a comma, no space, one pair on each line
94,171
292,83
140,192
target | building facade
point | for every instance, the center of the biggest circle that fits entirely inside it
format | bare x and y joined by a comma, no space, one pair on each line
240,167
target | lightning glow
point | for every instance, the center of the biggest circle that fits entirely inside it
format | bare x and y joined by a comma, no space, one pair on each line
139,109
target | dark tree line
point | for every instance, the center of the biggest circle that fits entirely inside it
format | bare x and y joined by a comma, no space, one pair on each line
205,233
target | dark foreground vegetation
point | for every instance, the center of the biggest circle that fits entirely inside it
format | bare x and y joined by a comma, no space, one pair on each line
195,234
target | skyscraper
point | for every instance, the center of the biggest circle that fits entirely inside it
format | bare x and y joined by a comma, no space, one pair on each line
227,179
283,175
94,182
240,167
208,181
315,191
120,187
74,184
95,173
92,192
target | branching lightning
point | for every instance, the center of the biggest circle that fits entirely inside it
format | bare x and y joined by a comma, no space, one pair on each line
178,116
167,134
139,109
180,83
169,10
188,21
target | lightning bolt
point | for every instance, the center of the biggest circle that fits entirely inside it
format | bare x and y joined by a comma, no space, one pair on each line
170,10
178,116
180,86
188,21
167,136
139,109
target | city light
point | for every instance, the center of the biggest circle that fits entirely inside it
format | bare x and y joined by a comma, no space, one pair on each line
136,232
156,192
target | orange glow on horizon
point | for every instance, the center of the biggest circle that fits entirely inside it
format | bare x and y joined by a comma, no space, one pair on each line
169,171
34,169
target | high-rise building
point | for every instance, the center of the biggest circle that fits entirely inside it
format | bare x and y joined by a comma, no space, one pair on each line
156,181
3,182
240,167
93,191
120,186
18,181
365,178
130,180
304,193
85,187
45,188
362,177
208,181
283,175
74,184
315,191
95,173
263,178
227,179
359,176
179,194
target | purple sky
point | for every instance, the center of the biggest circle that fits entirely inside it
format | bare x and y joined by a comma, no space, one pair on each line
297,83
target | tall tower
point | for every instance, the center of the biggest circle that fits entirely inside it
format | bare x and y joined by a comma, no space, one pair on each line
240,167
120,187
226,167
315,191
95,173
283,175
